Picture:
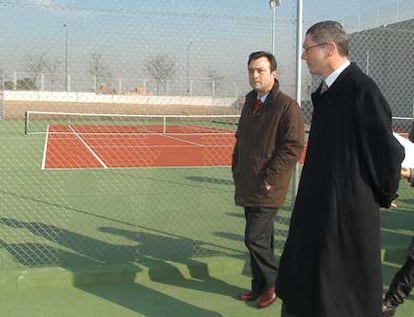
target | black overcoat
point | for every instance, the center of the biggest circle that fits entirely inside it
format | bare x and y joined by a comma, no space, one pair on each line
331,265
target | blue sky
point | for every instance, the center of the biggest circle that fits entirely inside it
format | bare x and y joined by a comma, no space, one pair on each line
128,32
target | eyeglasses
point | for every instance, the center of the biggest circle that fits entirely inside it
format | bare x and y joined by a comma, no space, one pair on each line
307,49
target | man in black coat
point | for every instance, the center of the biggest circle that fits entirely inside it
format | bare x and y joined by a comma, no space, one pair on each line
331,264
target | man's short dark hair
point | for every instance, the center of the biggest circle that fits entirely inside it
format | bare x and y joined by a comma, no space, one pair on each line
330,31
269,56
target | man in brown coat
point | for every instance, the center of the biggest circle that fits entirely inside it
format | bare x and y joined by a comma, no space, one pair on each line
269,141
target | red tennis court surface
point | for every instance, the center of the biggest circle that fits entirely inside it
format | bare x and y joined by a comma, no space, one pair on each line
82,146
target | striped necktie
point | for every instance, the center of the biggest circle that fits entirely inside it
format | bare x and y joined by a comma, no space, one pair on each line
257,105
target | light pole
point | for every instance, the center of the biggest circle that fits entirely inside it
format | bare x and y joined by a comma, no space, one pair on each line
66,56
188,66
273,4
299,27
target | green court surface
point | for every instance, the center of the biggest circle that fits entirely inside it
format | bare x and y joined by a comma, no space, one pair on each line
135,242
206,292
208,296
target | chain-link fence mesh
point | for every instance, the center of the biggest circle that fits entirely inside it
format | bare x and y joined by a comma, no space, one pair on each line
177,57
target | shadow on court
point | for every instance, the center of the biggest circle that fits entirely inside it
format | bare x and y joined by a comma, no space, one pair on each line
76,251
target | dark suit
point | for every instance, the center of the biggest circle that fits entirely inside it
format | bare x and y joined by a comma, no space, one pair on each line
331,265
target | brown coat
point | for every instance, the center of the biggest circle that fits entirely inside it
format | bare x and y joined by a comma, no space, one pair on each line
268,144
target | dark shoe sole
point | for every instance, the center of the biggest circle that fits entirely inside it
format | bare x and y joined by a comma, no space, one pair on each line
247,297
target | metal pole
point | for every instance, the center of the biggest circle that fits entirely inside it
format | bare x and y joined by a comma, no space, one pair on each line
299,27
413,109
188,66
273,29
273,4
398,11
66,56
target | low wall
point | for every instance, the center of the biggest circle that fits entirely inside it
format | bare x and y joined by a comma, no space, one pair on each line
16,103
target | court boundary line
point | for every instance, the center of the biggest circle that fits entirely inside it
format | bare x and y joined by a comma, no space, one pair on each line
166,146
96,156
45,149
150,133
170,136
181,140
135,167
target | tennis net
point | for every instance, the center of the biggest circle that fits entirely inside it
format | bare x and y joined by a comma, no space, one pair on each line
38,122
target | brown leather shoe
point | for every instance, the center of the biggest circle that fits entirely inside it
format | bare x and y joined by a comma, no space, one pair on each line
267,297
248,296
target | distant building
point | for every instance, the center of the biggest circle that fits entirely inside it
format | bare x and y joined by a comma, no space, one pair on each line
386,54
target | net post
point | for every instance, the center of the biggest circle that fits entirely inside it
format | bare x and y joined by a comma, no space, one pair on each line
26,119
164,128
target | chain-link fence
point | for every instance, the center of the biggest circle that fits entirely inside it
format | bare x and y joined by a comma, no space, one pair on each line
176,57
215,87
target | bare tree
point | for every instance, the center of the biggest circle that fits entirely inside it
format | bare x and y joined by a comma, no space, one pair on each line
35,65
161,68
214,80
100,72
53,68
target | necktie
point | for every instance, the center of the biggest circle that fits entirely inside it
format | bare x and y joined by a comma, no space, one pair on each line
324,87
257,105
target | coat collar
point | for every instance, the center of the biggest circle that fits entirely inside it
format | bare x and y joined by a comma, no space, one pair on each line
252,95
339,82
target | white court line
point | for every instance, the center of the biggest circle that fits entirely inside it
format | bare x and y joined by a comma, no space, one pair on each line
163,146
45,149
88,147
177,139
166,145
188,142
137,167
181,140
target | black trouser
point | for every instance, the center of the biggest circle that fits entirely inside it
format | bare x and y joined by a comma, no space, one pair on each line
284,312
259,240
403,281
303,312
